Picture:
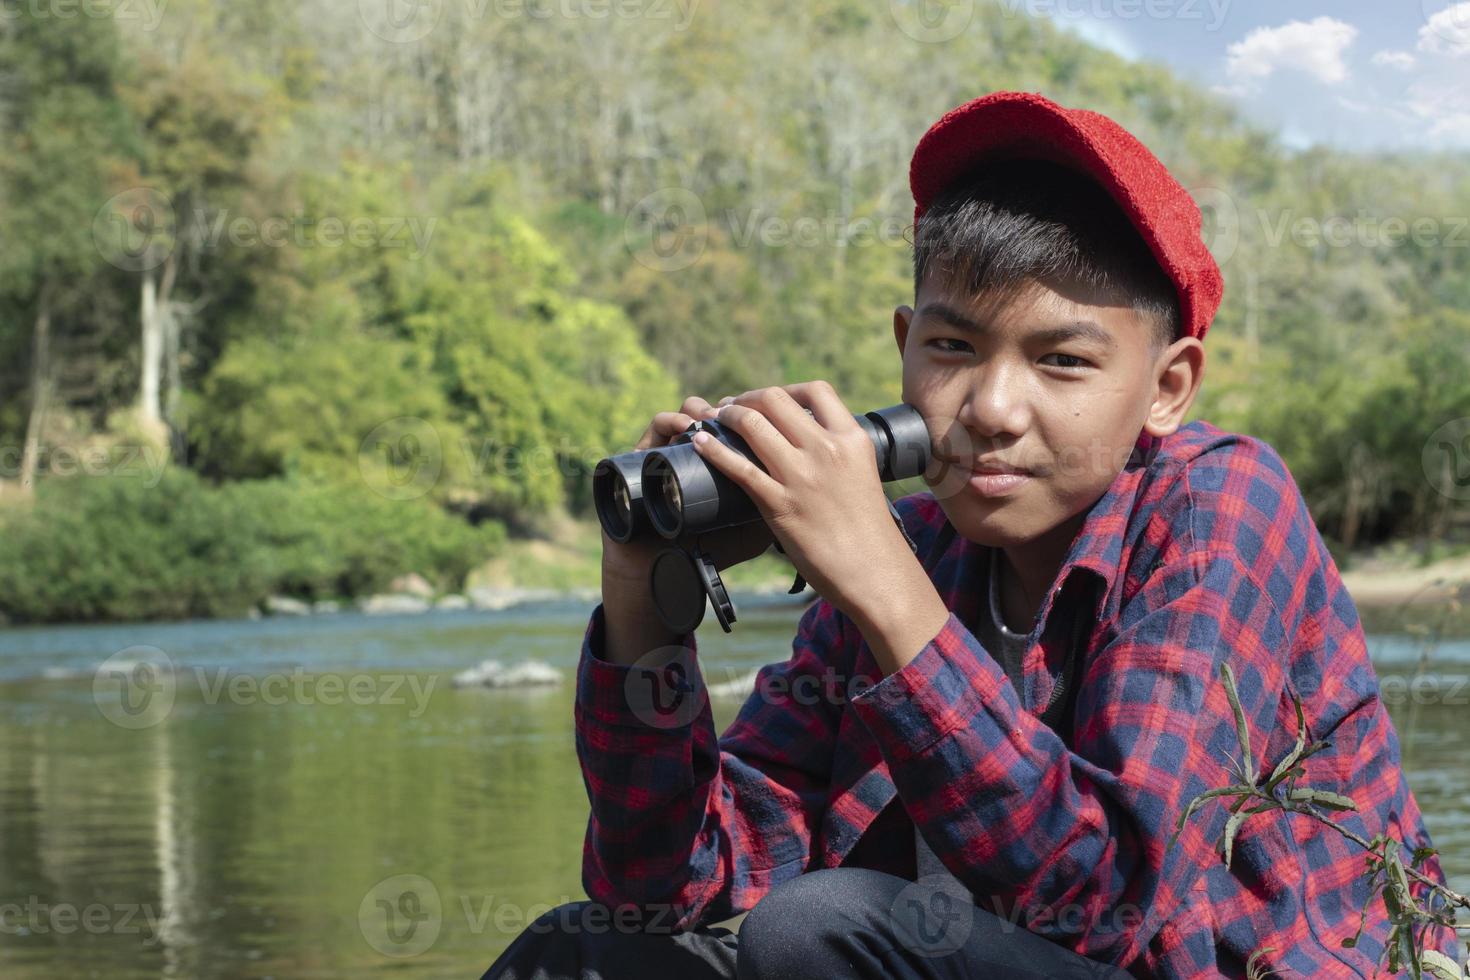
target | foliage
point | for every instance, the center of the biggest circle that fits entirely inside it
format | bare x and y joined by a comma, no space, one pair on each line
118,548
462,321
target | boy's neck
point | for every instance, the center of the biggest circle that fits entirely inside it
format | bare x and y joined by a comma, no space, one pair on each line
1028,572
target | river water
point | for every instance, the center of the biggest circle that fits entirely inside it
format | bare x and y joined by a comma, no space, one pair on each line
313,798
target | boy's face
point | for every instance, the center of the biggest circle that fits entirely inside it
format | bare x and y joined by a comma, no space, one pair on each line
1027,386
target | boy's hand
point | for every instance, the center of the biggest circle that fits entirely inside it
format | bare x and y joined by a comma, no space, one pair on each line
821,494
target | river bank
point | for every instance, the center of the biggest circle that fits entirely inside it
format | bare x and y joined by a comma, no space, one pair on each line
569,559
1392,577
1390,583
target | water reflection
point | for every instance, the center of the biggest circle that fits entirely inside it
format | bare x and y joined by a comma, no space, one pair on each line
244,835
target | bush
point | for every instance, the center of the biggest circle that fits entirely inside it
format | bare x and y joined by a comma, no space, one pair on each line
117,549
340,541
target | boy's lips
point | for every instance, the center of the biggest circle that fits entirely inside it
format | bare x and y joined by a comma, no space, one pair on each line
991,467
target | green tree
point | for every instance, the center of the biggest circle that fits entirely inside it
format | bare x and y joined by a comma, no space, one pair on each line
64,133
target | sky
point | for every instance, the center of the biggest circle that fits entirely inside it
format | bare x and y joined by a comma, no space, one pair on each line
1351,74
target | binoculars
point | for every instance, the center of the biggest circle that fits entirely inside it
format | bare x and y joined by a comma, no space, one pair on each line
671,492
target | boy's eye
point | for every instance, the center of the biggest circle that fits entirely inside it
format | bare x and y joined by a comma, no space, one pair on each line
1068,361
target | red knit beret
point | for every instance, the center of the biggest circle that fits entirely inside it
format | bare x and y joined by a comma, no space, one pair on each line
1028,125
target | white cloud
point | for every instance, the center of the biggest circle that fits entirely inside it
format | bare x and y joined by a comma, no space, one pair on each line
1315,47
1402,60
1441,105
1437,95
1448,31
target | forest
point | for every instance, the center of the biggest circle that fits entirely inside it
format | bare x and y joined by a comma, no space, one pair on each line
297,297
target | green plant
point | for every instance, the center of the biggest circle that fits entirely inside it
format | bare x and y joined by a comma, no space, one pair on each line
1386,870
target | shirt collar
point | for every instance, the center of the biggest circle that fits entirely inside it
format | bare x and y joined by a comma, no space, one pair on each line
1098,546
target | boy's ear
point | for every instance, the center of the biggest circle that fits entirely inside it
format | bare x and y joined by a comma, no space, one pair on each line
1181,372
902,317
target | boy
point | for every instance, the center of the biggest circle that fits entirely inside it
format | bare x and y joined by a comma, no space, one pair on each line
974,759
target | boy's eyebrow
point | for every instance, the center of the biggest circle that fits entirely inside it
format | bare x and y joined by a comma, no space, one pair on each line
1088,330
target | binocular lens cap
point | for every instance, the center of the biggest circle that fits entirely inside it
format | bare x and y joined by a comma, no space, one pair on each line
678,595
681,581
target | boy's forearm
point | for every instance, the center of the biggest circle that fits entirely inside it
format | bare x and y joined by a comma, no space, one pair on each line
633,627
633,634
899,618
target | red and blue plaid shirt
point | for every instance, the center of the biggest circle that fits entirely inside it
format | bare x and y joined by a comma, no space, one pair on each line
1201,552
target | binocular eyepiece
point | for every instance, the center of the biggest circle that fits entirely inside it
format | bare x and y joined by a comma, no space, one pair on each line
672,491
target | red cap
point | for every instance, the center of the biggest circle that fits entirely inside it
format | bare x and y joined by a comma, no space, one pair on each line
1024,124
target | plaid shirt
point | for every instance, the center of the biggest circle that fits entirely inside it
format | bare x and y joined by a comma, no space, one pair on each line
1202,551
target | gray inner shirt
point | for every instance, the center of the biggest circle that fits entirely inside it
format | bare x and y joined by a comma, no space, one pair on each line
1007,648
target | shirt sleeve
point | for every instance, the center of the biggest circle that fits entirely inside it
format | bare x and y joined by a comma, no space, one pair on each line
1062,838
686,826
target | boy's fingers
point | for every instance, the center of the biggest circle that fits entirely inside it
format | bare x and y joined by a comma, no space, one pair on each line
823,402
664,427
785,416
695,407
757,483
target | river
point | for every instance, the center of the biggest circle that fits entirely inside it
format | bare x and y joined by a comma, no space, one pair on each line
311,797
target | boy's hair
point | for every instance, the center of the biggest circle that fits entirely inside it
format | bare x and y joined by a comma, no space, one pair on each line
1016,220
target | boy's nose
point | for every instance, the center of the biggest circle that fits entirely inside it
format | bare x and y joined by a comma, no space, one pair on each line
995,406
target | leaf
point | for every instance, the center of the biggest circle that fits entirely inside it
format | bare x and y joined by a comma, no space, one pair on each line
1231,827
1199,800
1291,774
1208,794
1398,880
1253,972
1441,966
1284,767
1327,798
1390,898
1241,732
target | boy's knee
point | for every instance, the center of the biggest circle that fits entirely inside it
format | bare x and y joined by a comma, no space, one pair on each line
780,936
814,896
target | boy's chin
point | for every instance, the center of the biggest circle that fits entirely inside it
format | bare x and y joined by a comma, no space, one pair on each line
976,520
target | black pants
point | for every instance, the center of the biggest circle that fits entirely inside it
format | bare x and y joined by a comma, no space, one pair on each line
832,923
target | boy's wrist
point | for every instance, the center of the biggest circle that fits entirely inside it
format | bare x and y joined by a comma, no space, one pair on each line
900,619
632,628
